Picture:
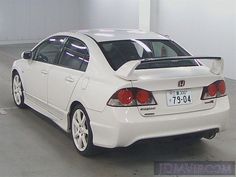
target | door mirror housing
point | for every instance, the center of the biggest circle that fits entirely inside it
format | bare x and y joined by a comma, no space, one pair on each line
26,55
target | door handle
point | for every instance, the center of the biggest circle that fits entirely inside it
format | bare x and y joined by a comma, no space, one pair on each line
44,72
69,79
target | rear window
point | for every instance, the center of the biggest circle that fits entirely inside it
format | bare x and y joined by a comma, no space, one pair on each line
119,52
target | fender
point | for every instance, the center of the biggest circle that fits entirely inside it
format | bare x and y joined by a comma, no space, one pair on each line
18,65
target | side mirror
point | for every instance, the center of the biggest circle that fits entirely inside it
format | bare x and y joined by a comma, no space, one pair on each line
26,55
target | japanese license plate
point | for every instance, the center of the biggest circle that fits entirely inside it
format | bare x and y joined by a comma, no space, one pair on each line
179,97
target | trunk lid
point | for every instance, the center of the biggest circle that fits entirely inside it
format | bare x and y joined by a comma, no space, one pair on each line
163,81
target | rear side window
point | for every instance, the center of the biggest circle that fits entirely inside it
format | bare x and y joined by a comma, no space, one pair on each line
49,50
118,53
75,55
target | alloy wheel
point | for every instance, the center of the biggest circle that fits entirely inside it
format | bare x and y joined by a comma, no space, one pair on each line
17,89
80,131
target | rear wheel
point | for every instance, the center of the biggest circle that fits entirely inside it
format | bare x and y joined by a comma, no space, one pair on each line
81,131
17,91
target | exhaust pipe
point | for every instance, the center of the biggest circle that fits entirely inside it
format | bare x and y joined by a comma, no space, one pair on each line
210,134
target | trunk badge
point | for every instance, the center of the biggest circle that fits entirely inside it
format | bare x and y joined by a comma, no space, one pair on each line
181,83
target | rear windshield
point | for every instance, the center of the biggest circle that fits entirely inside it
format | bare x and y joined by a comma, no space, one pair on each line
119,52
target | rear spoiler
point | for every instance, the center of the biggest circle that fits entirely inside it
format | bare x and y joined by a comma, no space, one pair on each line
126,70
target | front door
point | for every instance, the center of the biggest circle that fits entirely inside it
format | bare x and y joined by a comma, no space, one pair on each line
38,69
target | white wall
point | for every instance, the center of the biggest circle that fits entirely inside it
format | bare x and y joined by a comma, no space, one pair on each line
144,15
110,13
204,27
32,20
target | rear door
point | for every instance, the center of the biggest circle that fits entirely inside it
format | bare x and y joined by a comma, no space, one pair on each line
64,77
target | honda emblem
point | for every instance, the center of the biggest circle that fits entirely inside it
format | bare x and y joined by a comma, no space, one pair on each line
181,83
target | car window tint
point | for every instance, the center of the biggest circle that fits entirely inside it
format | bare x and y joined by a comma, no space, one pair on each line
162,50
75,55
119,52
49,50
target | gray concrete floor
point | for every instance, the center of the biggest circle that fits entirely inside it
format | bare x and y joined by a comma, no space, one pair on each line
33,146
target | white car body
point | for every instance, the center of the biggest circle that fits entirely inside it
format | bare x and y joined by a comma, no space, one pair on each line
53,90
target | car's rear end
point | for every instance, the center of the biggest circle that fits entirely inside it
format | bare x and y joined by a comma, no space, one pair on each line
170,93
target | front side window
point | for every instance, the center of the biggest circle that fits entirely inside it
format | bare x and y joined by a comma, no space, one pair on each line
75,55
49,51
119,52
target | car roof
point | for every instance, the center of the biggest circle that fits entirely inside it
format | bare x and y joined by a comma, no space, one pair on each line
102,35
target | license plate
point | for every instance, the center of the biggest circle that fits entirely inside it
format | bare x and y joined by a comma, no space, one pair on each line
179,97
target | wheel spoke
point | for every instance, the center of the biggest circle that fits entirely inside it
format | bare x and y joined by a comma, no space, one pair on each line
83,120
80,142
18,96
84,141
14,85
19,85
76,124
78,117
76,134
81,115
86,131
15,79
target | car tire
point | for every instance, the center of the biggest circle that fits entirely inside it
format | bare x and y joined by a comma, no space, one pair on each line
17,91
81,132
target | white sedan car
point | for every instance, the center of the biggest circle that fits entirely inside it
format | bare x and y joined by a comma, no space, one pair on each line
111,88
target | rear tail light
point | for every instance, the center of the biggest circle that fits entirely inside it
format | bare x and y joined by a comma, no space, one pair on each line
222,87
214,90
143,96
125,96
131,97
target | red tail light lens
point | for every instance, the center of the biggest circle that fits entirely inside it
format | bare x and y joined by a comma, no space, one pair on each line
222,87
212,89
131,97
215,90
125,96
143,96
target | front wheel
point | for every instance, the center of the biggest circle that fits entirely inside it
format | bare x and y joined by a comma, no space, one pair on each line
81,132
17,91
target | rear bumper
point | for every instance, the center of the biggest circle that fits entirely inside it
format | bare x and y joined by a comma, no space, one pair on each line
120,127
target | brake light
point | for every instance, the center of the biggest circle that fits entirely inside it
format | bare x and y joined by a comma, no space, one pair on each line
143,96
222,87
214,90
125,96
131,97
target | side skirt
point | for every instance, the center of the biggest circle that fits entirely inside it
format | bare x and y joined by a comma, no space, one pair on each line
62,123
